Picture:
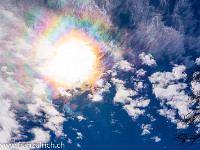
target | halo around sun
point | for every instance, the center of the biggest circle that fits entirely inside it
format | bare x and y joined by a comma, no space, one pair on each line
71,61
70,52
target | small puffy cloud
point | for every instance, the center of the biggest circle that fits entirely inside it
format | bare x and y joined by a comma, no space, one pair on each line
98,95
80,136
55,124
156,138
95,97
63,92
197,61
181,125
146,129
133,109
140,72
139,86
125,65
40,135
133,112
165,78
174,95
122,94
80,118
195,87
69,141
168,113
78,145
147,59
151,118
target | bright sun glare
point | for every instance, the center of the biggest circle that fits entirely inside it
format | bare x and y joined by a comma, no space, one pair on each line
70,62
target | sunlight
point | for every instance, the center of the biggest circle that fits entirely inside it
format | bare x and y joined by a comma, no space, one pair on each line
69,63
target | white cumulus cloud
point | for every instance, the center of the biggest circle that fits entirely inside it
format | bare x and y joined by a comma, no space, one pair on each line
168,88
147,59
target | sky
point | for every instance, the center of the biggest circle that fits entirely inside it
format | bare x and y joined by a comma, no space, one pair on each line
98,74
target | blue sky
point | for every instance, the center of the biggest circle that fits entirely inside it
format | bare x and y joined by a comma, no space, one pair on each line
149,50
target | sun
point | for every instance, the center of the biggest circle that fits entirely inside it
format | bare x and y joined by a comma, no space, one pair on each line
69,62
